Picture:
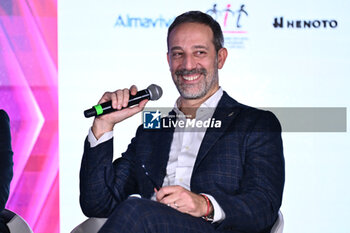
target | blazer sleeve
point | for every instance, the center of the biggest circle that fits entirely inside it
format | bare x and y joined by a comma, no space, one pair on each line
103,183
254,208
6,160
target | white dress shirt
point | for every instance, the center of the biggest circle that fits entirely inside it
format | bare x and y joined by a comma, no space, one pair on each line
184,149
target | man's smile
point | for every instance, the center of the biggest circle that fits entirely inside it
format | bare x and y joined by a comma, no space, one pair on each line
191,77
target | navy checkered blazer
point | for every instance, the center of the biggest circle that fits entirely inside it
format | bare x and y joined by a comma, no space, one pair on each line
241,165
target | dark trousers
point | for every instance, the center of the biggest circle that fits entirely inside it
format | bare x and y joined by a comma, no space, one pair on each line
136,215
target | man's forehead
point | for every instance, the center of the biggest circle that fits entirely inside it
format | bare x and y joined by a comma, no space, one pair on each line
191,26
187,31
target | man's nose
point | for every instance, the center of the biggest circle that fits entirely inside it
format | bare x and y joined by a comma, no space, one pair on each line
189,62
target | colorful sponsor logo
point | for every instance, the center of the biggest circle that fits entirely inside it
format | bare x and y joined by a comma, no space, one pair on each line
232,19
229,19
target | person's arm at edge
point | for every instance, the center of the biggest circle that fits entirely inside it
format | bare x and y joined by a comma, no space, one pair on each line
6,159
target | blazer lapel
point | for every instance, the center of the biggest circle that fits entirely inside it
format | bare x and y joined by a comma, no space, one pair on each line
226,111
162,150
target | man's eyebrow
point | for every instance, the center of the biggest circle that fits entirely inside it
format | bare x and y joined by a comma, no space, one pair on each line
176,48
200,47
194,47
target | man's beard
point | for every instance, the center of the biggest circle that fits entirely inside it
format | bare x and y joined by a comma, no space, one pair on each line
203,87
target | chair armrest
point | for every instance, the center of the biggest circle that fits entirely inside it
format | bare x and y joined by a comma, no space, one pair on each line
91,225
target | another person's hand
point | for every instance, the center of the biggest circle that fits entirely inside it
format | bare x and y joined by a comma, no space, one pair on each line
183,200
119,98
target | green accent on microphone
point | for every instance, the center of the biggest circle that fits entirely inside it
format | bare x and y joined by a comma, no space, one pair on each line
98,109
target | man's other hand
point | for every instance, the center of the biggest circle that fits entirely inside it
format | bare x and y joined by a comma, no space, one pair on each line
183,200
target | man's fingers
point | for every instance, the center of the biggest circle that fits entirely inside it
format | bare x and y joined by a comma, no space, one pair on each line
120,99
113,98
126,97
182,200
142,104
164,191
133,90
169,199
133,110
106,97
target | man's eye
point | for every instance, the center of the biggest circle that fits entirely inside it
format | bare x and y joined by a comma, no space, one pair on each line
200,53
177,54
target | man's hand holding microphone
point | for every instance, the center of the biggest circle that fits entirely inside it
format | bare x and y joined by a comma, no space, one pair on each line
120,105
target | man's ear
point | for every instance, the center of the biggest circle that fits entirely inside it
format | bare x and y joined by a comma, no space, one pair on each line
167,57
222,55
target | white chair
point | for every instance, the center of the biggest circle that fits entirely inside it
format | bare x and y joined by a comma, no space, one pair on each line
93,225
278,226
15,223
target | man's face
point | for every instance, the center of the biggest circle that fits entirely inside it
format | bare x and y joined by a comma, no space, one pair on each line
193,60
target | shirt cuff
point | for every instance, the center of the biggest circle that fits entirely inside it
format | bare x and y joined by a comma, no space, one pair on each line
219,214
94,142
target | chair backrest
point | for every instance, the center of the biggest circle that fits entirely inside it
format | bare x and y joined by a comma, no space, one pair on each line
278,226
16,223
91,225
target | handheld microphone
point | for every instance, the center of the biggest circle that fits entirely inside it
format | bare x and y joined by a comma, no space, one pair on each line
153,92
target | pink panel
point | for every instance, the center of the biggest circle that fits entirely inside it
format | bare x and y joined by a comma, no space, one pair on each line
29,94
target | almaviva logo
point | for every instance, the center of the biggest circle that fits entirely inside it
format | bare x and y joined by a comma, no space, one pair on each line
142,22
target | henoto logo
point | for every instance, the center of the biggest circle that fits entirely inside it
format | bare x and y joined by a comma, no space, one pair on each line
281,23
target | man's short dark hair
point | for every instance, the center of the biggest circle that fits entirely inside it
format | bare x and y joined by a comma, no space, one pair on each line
202,18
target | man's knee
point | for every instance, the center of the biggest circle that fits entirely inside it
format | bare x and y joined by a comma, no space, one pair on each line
143,215
136,206
144,210
134,214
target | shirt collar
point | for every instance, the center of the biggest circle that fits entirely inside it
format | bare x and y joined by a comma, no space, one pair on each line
210,103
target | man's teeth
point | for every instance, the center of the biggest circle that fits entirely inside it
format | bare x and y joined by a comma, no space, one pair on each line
190,78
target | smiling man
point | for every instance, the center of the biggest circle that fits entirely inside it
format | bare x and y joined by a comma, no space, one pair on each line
194,61
215,180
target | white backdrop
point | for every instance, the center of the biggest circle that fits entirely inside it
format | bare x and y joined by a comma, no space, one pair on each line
266,67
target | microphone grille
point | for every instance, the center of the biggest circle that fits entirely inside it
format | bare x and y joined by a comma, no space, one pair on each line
155,91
